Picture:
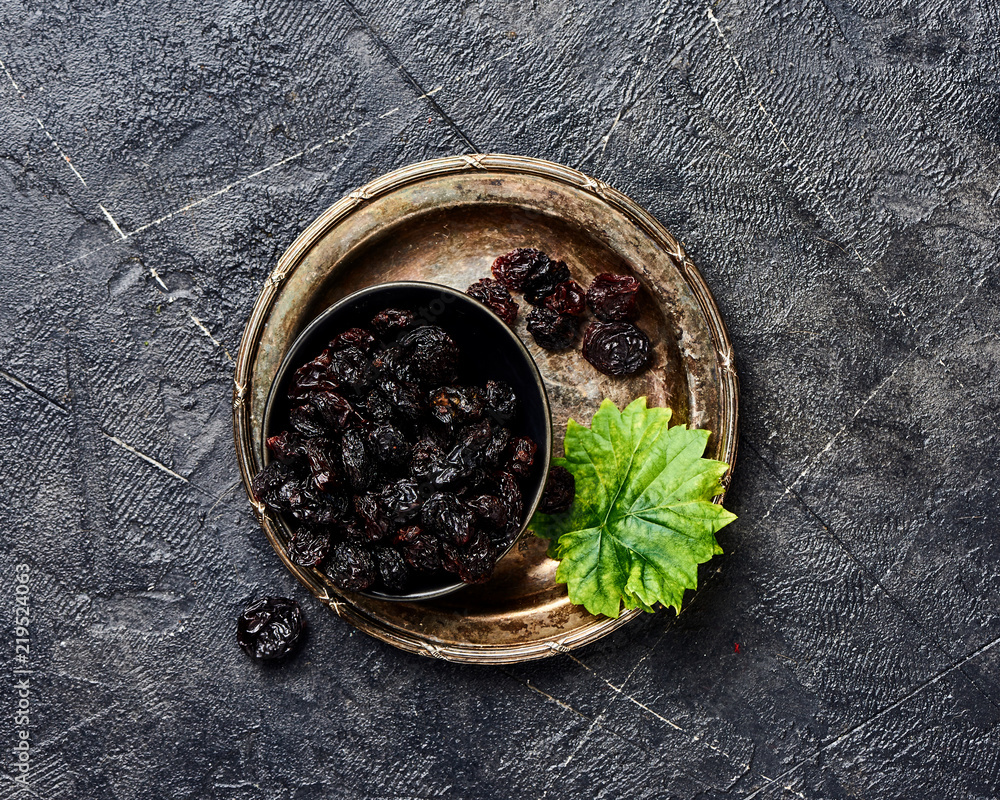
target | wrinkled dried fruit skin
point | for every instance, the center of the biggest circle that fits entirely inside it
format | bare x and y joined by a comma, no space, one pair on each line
374,518
495,296
357,337
287,447
551,330
521,456
359,467
392,570
514,268
543,282
472,561
270,485
351,367
332,409
401,500
567,298
509,493
423,553
431,355
305,419
490,512
351,567
389,447
501,402
309,546
616,348
392,321
453,405
312,377
614,297
443,514
324,464
270,628
560,489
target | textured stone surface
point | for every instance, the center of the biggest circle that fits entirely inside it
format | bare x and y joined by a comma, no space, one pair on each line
833,169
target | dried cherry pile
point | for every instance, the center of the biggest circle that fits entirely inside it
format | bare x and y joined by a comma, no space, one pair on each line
613,344
394,470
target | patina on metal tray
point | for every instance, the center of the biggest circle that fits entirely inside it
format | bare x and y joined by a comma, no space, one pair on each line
445,221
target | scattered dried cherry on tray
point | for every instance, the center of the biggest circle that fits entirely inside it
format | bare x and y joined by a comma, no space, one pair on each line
567,298
270,628
551,330
496,297
543,281
616,348
613,297
514,268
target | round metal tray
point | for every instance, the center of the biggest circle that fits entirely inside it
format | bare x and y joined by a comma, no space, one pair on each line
445,221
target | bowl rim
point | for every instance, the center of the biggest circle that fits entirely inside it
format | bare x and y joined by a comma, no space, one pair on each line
294,355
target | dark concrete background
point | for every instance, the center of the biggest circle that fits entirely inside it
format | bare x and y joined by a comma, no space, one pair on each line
833,168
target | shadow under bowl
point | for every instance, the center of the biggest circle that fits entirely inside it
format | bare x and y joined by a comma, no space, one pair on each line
488,348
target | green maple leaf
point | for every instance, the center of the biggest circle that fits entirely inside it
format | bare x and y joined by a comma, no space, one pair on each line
643,519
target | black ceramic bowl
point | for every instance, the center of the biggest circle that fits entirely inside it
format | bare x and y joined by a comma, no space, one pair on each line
489,350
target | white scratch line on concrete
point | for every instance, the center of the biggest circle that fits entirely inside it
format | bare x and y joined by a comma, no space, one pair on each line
144,457
208,333
156,276
50,137
388,113
432,92
112,221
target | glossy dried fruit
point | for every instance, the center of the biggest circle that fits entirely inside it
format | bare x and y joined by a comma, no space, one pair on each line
374,518
352,369
551,330
521,456
473,561
616,348
401,500
311,377
514,268
389,447
359,466
501,401
614,297
560,489
286,447
270,628
444,515
309,546
509,493
351,567
314,508
332,409
272,484
325,467
489,511
422,552
356,337
431,355
392,570
305,419
393,321
453,405
543,281
567,298
495,296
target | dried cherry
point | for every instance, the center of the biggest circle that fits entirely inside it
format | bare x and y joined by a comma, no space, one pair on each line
514,268
616,348
351,567
392,569
543,281
552,330
270,628
521,456
567,298
501,402
560,489
495,296
309,546
613,297
393,321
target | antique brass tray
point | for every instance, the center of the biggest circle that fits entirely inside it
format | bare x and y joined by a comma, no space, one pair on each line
445,221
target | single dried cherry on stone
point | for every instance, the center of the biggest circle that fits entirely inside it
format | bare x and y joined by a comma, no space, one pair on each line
567,298
392,321
495,296
613,297
309,546
270,628
351,567
560,489
616,348
514,268
551,330
543,282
